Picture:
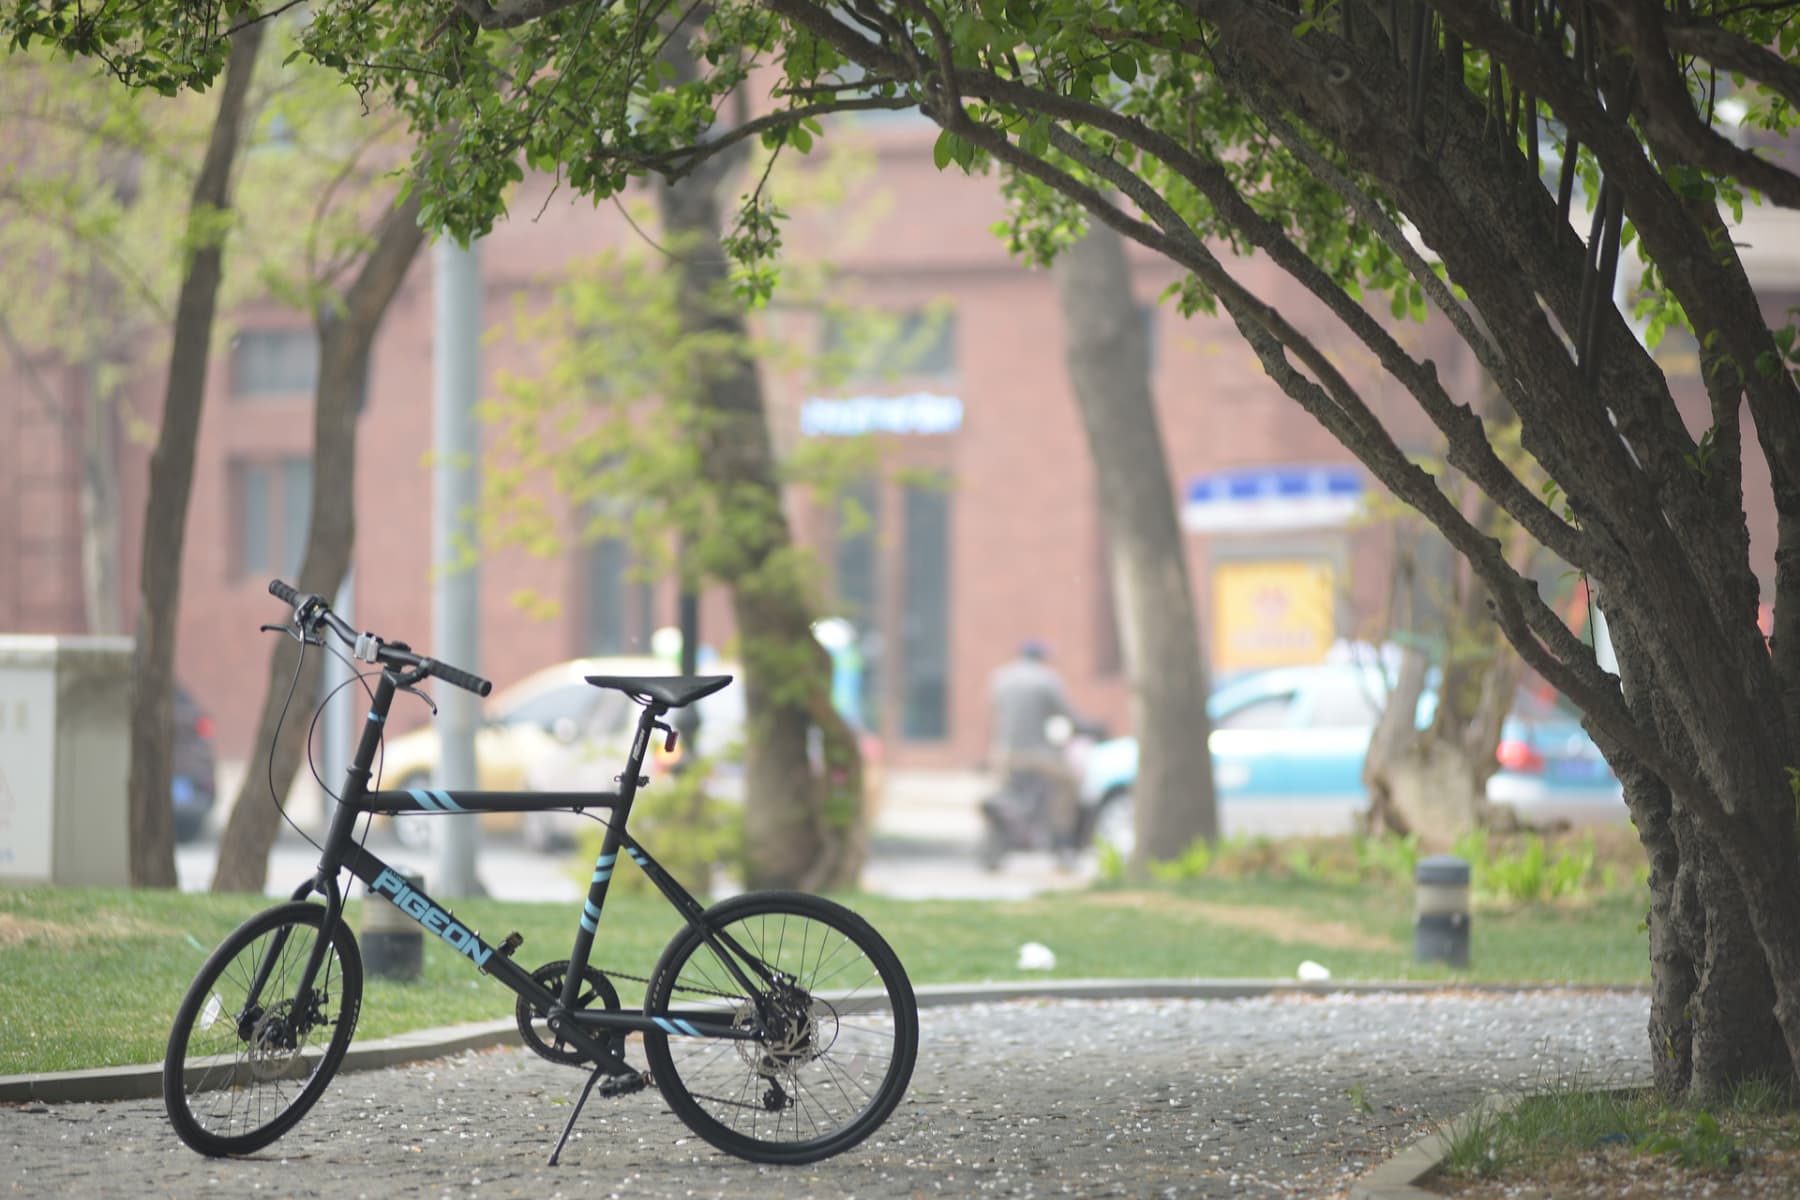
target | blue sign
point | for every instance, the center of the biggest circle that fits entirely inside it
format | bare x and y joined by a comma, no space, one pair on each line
1259,499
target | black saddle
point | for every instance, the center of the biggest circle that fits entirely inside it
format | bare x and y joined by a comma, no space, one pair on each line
670,691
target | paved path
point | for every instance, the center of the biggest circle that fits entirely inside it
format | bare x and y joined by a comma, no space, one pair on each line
1276,1096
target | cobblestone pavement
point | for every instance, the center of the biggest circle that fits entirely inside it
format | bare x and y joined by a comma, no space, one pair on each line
1277,1096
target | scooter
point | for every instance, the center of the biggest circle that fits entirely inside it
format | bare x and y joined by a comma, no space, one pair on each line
1018,816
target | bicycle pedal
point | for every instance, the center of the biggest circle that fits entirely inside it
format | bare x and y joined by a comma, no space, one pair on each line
624,1085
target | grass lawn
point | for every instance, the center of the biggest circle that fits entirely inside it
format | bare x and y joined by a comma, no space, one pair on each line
91,978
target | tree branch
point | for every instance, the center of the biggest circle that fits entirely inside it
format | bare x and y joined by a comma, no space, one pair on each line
1471,450
46,396
513,13
1669,107
1729,52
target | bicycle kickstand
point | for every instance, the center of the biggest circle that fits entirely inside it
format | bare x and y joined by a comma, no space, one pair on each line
616,1084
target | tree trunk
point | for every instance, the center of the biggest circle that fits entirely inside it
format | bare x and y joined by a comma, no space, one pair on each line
1109,365
346,334
1712,994
152,853
803,827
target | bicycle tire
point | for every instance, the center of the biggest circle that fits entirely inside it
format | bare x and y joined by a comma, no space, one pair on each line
836,1080
227,1067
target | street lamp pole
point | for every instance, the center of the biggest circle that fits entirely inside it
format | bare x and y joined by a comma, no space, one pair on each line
455,586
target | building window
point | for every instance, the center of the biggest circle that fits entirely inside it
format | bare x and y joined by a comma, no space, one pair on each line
621,608
875,347
275,362
272,507
857,568
925,613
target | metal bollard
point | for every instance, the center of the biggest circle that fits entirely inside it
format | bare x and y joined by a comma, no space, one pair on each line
393,945
1441,926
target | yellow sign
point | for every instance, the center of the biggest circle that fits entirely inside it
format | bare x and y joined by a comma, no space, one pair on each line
1271,614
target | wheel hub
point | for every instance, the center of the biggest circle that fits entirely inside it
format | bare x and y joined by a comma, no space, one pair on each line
274,1042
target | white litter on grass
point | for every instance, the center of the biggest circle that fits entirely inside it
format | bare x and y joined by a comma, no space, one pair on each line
1312,972
1035,956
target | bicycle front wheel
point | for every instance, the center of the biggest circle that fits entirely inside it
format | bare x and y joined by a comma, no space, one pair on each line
841,1029
250,1053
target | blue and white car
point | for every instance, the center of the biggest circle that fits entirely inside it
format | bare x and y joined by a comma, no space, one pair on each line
1288,746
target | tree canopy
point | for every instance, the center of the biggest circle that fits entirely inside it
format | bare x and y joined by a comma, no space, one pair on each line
1489,162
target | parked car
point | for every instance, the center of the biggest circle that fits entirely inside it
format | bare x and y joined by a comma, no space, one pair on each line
536,717
1288,746
192,776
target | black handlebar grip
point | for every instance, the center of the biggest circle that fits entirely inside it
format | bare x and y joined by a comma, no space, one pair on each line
284,592
462,679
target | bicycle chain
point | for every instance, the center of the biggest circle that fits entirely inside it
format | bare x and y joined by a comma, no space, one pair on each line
699,991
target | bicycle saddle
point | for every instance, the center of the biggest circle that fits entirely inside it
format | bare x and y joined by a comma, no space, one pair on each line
672,690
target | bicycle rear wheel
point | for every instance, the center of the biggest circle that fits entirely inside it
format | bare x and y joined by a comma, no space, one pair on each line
247,1055
843,1031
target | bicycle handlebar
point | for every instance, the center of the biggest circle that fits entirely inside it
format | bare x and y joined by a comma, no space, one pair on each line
312,610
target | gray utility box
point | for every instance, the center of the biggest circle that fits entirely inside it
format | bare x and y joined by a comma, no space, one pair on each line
65,736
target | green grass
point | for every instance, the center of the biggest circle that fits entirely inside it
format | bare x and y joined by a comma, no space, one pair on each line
1545,1132
91,978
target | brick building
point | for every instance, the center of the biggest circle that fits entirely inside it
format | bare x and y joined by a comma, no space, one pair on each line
944,584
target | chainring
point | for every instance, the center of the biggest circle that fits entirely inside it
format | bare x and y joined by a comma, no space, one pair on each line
596,987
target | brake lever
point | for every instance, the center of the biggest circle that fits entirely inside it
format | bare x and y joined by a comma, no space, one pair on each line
294,632
425,696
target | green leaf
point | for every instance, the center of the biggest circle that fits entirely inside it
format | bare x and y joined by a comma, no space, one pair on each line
944,149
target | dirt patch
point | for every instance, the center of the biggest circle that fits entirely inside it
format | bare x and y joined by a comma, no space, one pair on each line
1280,924
16,930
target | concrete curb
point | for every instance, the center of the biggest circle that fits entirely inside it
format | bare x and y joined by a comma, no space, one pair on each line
1398,1178
145,1081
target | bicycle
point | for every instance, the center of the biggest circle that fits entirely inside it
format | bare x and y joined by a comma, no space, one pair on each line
797,1030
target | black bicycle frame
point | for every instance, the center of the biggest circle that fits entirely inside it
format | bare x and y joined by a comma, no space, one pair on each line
341,850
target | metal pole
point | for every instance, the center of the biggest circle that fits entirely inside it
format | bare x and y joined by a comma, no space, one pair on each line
456,487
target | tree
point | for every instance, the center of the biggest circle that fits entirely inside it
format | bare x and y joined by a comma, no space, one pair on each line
91,194
648,422
352,234
1432,782
72,182
152,841
347,324
1362,148
1173,801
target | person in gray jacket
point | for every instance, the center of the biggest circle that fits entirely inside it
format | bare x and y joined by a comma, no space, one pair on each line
1024,694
